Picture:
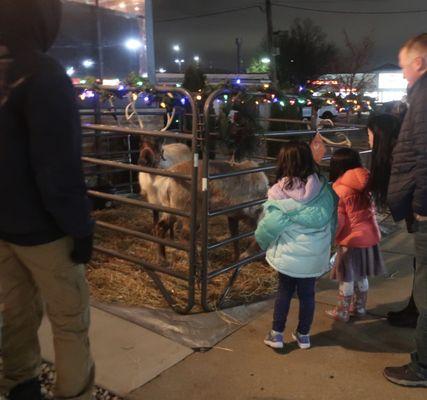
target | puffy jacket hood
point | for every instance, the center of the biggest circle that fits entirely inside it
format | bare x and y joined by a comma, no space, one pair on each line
29,25
356,179
314,214
300,191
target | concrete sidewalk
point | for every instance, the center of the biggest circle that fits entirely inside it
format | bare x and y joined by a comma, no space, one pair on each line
126,355
346,360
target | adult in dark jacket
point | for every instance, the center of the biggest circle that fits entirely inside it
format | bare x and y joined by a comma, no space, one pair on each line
383,131
407,197
45,226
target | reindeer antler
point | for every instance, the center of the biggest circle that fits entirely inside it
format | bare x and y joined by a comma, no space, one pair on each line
132,106
346,142
323,122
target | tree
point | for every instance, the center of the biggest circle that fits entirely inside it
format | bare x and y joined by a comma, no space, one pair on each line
351,66
352,61
257,66
304,52
194,79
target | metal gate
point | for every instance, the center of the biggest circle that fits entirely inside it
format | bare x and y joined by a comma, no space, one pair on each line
199,273
155,272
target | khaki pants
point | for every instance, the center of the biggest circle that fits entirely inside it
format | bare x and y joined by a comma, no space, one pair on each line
30,276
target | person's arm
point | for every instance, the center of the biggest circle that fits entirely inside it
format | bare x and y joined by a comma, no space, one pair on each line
341,217
419,133
402,183
55,144
334,219
270,226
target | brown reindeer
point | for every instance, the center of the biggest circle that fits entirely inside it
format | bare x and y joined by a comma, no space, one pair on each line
151,152
153,186
225,192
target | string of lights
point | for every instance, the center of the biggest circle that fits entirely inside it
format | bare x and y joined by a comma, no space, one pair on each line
210,14
349,12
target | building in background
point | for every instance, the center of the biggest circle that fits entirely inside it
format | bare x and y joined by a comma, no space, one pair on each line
390,84
106,38
386,83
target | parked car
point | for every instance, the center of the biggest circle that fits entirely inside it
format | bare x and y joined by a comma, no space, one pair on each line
328,111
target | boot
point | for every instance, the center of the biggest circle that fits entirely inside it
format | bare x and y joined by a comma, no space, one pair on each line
27,390
407,317
358,305
341,311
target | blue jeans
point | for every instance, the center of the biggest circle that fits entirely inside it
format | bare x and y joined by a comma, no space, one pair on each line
305,288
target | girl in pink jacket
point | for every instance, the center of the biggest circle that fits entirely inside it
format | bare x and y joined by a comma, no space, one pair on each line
357,236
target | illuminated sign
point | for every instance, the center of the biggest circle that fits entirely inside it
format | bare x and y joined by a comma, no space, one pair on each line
125,6
392,80
320,82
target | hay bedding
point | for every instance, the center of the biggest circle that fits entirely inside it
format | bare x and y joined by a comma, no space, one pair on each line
114,280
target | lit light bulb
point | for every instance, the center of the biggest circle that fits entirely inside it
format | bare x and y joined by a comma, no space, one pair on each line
88,63
133,44
70,71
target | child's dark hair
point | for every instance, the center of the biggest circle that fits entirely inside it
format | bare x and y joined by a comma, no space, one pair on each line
342,160
385,128
295,160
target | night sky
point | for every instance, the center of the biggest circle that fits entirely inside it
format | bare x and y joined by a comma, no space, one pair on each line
213,38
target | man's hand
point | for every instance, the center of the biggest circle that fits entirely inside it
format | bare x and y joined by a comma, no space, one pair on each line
411,223
82,251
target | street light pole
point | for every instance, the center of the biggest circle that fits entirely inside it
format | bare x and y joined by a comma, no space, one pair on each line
238,49
149,31
179,62
99,43
271,50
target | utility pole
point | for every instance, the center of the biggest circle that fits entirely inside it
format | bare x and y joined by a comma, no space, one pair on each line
149,31
270,42
239,57
99,42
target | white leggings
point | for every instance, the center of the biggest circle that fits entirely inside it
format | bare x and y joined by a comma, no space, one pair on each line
347,288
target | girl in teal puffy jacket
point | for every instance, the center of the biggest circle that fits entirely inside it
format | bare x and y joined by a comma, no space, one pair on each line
296,231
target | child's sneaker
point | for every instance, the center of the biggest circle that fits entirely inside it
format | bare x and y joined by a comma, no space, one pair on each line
302,340
274,340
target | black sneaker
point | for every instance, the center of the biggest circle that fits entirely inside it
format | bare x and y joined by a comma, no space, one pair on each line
405,376
27,390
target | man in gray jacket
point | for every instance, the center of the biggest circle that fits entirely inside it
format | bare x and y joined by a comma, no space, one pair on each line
407,197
